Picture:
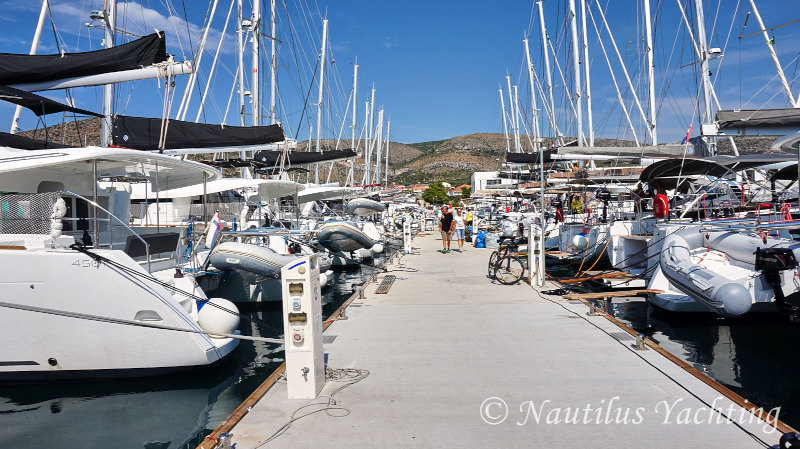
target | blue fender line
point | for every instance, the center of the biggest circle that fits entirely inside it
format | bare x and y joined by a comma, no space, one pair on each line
297,265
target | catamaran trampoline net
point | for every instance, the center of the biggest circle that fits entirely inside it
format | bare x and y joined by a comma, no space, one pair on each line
27,213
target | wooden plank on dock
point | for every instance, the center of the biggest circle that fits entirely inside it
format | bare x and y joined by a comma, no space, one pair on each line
614,274
619,294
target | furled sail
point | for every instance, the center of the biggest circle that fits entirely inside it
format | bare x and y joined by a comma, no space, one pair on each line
141,133
758,118
143,52
268,159
271,158
24,143
528,158
37,103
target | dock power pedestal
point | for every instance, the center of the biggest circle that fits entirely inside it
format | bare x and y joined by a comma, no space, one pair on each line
302,324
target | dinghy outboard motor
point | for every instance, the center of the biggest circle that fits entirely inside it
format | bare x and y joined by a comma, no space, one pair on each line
294,248
771,261
604,196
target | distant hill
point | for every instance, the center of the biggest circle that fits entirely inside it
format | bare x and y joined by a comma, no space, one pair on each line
452,160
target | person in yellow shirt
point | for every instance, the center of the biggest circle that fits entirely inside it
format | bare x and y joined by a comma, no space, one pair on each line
469,223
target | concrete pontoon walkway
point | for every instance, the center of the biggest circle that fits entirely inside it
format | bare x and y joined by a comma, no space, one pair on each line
446,340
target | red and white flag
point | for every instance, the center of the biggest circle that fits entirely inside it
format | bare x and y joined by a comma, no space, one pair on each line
688,135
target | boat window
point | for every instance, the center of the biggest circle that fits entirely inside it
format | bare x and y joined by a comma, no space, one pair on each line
50,186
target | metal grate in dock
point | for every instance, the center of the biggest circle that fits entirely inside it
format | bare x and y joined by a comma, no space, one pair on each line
386,284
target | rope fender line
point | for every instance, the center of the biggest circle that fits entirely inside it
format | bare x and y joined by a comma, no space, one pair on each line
149,277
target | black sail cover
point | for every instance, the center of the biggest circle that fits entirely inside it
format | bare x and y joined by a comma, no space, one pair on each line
24,69
24,143
37,103
141,133
760,118
528,158
269,158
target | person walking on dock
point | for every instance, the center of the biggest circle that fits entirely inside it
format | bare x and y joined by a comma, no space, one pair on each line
446,227
459,222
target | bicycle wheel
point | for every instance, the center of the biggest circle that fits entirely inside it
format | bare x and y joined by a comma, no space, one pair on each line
492,262
510,270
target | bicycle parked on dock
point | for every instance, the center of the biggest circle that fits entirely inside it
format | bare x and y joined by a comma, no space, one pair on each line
507,264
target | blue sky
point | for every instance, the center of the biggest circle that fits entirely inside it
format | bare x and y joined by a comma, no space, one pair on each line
436,65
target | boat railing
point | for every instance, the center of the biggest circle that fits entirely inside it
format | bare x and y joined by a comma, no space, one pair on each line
33,214
111,217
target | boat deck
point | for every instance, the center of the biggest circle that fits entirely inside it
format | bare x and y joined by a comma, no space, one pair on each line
456,360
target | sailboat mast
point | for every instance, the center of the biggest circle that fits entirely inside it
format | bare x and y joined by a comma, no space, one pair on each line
370,131
355,105
512,113
379,150
548,73
365,179
273,67
505,123
701,37
534,107
774,55
321,91
577,70
517,141
586,71
650,75
108,89
255,60
355,111
386,172
240,61
34,47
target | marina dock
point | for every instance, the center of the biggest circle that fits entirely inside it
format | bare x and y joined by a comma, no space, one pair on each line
447,358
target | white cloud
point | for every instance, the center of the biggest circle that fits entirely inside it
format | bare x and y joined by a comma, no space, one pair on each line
390,42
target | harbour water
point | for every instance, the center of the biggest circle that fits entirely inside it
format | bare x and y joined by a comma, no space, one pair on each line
164,412
753,356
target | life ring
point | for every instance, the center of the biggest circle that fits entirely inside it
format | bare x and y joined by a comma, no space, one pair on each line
661,206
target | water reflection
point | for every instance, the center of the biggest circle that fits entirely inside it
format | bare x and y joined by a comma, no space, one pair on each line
753,356
158,413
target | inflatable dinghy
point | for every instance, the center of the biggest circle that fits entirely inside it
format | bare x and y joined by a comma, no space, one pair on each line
363,207
729,272
343,237
254,263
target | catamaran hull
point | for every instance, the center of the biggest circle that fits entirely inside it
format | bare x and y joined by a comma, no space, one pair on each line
46,345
